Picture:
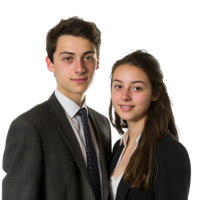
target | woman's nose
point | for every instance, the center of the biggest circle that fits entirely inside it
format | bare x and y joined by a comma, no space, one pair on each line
126,95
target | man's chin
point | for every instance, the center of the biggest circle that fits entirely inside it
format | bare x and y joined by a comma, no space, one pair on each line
79,92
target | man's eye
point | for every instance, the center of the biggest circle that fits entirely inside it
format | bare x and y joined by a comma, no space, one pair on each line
88,58
68,58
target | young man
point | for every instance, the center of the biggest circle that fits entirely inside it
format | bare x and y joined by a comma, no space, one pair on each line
60,149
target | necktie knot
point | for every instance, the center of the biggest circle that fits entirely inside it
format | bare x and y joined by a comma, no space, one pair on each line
82,112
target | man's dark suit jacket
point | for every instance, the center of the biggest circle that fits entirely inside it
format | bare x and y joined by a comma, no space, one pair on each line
171,174
43,160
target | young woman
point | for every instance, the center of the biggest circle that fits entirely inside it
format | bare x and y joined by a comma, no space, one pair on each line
148,163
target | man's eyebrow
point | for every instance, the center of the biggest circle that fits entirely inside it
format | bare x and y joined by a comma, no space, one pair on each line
131,82
71,53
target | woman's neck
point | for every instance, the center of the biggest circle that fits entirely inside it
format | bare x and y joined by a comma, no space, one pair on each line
135,128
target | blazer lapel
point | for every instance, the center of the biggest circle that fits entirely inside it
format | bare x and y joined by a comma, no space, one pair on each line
115,158
102,156
123,186
122,189
60,120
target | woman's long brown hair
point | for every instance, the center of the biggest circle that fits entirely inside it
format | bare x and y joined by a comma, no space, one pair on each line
159,122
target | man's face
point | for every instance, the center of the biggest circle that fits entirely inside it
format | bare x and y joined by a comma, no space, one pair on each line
75,62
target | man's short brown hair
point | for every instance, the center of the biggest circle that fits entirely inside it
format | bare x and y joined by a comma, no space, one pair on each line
76,27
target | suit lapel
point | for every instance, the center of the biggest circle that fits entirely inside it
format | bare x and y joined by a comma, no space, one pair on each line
60,120
102,156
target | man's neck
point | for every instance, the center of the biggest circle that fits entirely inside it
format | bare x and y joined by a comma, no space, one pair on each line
77,98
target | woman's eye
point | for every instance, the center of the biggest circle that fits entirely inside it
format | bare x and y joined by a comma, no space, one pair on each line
118,86
137,88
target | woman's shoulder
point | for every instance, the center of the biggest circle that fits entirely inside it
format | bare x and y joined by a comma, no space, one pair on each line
117,143
169,148
169,143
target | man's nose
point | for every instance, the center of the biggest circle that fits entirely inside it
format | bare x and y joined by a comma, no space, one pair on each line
79,66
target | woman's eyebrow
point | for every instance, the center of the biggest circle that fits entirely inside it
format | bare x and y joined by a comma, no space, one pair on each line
131,82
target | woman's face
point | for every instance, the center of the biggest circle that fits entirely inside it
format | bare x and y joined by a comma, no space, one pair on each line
131,93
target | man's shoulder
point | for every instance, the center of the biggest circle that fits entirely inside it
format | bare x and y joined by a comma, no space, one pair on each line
102,122
37,112
97,114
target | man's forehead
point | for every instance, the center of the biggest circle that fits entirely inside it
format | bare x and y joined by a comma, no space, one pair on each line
71,38
76,45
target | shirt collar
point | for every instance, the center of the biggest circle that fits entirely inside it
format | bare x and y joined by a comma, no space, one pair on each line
125,137
70,107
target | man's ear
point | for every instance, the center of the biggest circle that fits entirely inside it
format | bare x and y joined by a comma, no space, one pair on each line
50,65
156,96
97,63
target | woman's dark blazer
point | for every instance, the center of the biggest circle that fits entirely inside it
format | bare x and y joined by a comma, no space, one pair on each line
173,173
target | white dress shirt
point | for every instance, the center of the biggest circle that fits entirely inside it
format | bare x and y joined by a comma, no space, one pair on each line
114,183
71,109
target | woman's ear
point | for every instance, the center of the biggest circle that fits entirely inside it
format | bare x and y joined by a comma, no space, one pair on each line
156,96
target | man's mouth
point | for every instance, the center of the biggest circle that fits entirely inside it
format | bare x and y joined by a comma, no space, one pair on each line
79,80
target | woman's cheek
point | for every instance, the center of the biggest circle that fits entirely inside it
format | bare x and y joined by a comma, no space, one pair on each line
139,98
142,98
115,96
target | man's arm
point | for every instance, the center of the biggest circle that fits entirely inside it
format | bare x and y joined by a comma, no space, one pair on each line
22,162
